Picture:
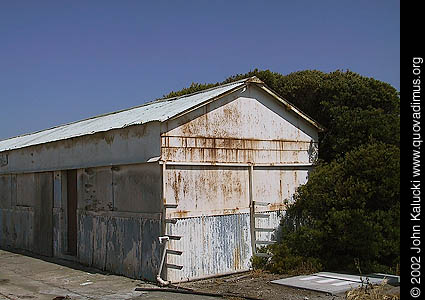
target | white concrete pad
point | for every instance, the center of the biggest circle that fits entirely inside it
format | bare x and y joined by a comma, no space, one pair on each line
332,283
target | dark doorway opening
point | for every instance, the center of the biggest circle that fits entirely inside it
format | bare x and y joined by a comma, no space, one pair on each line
71,179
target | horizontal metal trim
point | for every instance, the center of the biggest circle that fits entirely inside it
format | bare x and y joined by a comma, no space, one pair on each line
171,221
174,237
239,149
218,164
18,207
219,213
168,205
174,214
174,252
75,167
120,214
172,266
236,139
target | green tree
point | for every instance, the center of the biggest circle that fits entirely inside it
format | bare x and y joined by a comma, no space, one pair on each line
349,209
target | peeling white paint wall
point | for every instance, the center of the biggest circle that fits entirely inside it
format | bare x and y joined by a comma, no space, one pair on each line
208,154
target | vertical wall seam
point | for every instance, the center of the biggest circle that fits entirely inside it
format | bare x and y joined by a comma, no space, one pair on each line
113,189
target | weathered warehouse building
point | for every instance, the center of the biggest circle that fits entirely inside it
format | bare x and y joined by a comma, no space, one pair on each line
209,172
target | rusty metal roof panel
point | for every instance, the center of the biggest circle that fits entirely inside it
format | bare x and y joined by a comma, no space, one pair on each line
160,110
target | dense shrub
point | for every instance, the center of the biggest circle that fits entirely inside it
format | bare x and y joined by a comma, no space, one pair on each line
349,209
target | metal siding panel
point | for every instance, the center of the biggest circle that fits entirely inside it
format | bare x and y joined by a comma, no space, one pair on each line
150,252
277,186
2,228
4,232
100,229
30,233
235,150
12,230
5,191
120,241
131,246
114,256
16,228
95,189
114,244
85,239
214,245
57,189
205,190
23,229
5,240
217,190
137,188
57,215
57,227
26,190
209,246
13,190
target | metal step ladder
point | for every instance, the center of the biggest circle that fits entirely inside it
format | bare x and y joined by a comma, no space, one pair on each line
171,237
168,251
254,215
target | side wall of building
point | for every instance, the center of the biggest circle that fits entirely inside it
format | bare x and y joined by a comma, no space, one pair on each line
117,209
119,219
26,205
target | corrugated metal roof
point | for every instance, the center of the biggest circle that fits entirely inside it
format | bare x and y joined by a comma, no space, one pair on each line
160,110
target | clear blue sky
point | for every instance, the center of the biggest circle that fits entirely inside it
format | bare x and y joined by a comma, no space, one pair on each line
62,61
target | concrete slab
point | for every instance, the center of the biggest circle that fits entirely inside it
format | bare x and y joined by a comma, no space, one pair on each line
25,277
332,283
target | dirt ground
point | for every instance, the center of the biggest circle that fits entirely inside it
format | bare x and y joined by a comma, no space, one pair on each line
257,285
29,277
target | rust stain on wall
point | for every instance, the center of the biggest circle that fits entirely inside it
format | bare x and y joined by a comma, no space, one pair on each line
225,149
237,258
